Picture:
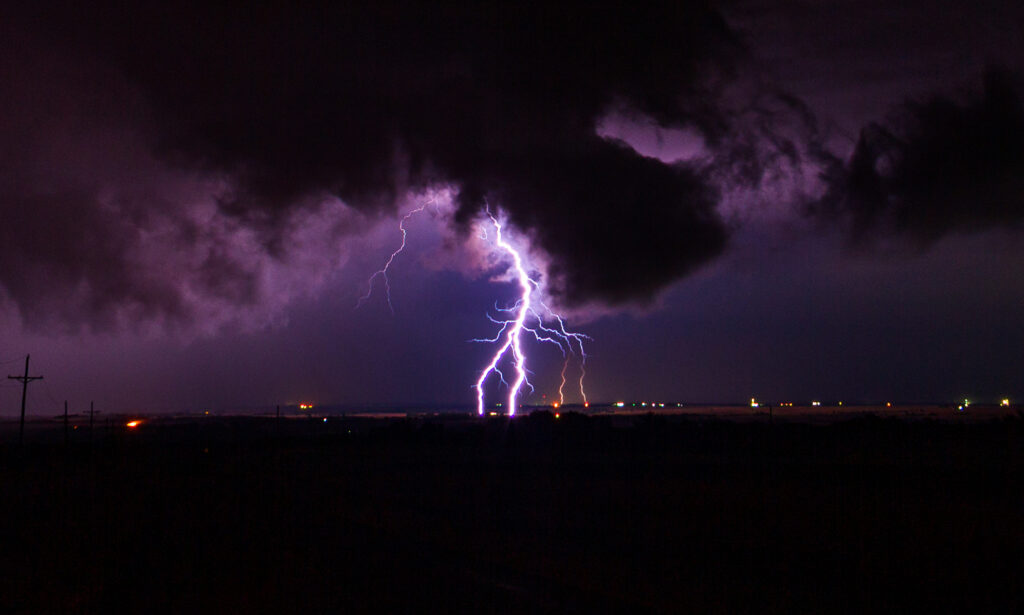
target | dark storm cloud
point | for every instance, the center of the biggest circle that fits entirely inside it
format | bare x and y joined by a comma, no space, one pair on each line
638,224
98,231
367,100
940,165
93,230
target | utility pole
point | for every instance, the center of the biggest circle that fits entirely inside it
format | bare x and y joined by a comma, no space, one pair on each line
91,413
24,390
65,424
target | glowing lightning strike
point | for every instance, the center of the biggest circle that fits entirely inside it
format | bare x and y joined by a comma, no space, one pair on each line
512,332
383,271
578,337
526,318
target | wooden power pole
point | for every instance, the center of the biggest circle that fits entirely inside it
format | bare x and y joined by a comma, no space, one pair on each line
24,390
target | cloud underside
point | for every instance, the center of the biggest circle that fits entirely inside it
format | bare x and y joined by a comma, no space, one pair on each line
284,106
939,166
163,159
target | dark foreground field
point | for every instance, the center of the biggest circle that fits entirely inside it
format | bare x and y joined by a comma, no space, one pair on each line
643,514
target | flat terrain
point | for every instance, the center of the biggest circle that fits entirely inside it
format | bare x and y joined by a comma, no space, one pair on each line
627,513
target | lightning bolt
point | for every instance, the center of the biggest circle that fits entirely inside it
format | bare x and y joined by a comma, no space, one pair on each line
566,336
526,318
528,313
383,271
513,329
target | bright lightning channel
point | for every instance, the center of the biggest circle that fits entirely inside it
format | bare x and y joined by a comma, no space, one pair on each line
526,319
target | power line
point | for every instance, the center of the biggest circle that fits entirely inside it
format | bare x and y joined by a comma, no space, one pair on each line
49,394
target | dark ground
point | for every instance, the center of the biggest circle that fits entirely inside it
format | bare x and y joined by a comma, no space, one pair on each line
577,514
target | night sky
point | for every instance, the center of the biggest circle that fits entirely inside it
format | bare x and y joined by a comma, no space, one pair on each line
788,200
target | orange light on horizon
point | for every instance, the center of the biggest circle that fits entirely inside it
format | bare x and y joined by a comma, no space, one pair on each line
133,424
586,404
555,405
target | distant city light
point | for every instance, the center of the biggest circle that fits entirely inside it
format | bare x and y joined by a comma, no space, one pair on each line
815,403
558,415
620,404
1005,402
305,406
753,403
133,424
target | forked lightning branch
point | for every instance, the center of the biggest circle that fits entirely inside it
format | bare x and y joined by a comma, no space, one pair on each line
528,316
